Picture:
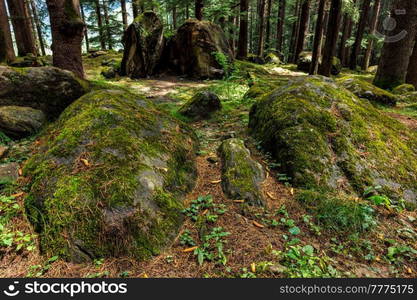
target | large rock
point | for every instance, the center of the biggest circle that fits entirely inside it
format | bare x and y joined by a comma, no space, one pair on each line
325,137
46,88
19,121
305,59
201,105
200,49
241,175
9,172
109,178
366,90
144,43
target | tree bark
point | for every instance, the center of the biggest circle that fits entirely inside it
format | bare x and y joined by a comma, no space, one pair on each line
100,24
6,43
199,5
38,26
359,34
107,22
268,25
242,48
135,9
174,17
124,13
318,39
67,30
19,13
331,37
261,42
412,68
347,32
280,25
372,29
302,32
398,45
295,31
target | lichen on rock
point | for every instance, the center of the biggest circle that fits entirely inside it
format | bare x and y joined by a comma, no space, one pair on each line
109,177
325,137
242,176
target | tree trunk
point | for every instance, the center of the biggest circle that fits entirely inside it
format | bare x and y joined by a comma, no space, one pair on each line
135,9
67,30
6,43
331,37
359,34
280,25
302,32
199,5
107,21
347,32
398,45
268,25
124,13
242,48
19,13
187,11
295,31
318,39
100,24
38,26
87,42
261,42
174,17
374,22
412,68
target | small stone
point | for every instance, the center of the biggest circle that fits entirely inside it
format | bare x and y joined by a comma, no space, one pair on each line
9,172
201,105
3,151
276,268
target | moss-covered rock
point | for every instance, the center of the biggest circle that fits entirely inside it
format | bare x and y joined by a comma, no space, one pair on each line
366,90
272,58
200,49
144,43
19,121
336,66
201,105
304,61
403,89
325,137
241,175
46,88
109,177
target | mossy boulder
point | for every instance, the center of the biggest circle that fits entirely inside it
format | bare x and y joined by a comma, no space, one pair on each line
19,121
143,44
404,89
326,138
304,61
45,88
336,66
200,49
108,178
272,58
242,176
366,90
29,61
255,59
201,105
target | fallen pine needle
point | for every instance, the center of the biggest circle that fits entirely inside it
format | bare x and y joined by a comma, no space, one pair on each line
190,249
20,172
17,195
292,191
85,162
271,196
238,201
257,224
215,181
253,267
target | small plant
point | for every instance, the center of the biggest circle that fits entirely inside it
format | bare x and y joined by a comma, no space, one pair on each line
39,270
212,247
247,274
307,219
399,253
204,204
186,239
223,61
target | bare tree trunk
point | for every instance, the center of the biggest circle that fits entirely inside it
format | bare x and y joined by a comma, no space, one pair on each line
261,42
396,52
67,30
331,37
242,48
268,25
124,13
295,31
374,22
280,25
135,9
107,21
87,42
174,17
100,24
199,5
38,26
359,34
318,39
412,68
187,11
19,13
6,43
347,32
302,32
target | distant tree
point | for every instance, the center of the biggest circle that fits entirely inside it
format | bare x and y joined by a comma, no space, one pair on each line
242,48
318,38
372,29
124,13
199,5
38,26
280,24
261,41
411,77
67,30
6,45
302,31
359,34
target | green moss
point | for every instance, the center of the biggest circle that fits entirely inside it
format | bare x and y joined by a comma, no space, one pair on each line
96,165
403,88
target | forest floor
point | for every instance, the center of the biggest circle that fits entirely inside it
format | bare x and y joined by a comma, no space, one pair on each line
250,239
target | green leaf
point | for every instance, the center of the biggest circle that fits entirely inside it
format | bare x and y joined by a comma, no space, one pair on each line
294,230
308,249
